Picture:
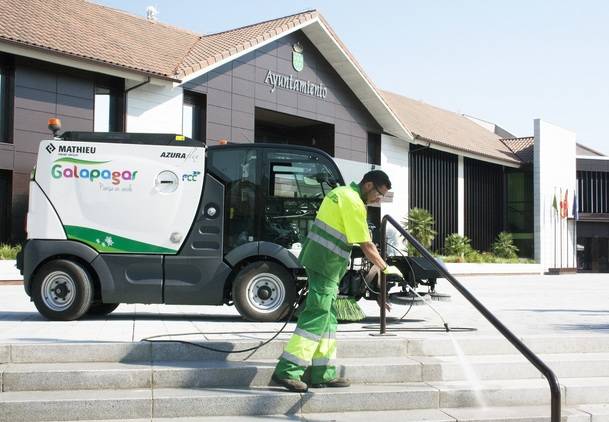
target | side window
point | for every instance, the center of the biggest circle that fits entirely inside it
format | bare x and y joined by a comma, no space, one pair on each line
238,170
298,182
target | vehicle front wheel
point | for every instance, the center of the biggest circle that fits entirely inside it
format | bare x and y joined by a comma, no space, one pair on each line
264,291
62,290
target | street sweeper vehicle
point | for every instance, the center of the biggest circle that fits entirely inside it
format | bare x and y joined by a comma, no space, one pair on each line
156,218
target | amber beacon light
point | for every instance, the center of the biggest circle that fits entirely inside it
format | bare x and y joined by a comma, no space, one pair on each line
54,125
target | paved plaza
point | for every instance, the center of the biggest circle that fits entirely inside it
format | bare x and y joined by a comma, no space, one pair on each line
565,305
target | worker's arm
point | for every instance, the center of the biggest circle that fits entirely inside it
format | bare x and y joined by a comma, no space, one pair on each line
369,249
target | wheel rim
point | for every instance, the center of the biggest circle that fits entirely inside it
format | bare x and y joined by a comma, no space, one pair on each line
58,291
265,292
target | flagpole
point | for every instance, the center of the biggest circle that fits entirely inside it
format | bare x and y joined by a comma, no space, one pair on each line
575,216
555,214
554,222
567,242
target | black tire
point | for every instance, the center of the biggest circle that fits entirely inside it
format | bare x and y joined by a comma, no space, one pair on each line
264,291
101,309
62,290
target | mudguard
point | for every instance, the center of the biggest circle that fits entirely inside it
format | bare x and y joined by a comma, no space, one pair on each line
37,251
270,249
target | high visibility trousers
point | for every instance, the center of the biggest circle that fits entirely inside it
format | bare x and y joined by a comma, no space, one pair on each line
314,340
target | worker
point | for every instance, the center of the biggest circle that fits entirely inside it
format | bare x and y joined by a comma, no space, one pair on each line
340,223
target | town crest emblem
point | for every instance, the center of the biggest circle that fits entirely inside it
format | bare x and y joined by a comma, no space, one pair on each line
297,57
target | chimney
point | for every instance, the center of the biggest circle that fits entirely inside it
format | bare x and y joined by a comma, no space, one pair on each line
151,14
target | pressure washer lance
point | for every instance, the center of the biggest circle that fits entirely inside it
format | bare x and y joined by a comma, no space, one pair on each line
426,302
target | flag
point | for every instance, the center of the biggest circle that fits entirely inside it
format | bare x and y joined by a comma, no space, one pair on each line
565,205
554,203
560,203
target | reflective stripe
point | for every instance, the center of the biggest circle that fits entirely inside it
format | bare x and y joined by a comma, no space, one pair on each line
306,334
331,230
329,236
323,362
329,245
301,347
291,358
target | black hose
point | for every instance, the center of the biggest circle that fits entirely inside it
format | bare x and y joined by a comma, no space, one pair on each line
213,349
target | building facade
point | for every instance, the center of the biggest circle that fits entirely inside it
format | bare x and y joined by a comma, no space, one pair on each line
289,81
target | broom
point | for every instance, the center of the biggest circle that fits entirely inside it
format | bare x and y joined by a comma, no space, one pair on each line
347,308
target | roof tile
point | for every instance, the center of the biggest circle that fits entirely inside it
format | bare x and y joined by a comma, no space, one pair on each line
522,147
449,129
72,27
81,29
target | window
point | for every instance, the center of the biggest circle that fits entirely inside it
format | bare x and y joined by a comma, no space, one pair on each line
5,101
298,182
193,116
238,170
5,205
374,148
108,109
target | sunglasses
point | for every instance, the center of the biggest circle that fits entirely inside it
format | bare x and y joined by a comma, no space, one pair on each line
378,191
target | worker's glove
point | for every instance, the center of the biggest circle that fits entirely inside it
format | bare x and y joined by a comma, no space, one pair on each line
374,271
392,270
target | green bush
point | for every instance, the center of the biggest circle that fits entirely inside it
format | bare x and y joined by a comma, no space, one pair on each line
458,245
504,247
9,251
419,223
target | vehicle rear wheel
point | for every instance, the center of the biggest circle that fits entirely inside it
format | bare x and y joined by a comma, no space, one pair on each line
62,290
264,291
101,309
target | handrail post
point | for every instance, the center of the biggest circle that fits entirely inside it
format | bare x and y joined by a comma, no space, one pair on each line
383,279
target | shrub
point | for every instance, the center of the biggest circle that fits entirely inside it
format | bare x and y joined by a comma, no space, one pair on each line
479,257
455,244
504,247
419,223
9,251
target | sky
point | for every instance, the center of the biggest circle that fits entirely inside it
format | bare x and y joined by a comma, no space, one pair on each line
507,62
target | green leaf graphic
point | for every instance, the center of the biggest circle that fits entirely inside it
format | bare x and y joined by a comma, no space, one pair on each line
111,243
77,161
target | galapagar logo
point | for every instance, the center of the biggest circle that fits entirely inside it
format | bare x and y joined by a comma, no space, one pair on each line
71,168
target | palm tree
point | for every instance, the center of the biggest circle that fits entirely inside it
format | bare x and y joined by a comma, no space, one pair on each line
419,223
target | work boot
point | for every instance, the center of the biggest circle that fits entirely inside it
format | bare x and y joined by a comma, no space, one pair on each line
335,383
294,385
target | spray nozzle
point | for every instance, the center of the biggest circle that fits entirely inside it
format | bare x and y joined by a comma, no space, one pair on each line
446,326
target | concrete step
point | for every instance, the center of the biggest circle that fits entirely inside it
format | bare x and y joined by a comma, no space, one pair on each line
347,348
180,374
569,365
145,351
173,402
495,345
257,372
587,413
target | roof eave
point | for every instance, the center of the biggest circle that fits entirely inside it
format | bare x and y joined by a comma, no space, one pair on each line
48,54
442,146
333,51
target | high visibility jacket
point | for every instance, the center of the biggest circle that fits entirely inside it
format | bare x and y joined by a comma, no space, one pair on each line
341,222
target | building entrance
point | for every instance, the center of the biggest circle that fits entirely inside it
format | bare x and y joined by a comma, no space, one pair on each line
593,246
281,128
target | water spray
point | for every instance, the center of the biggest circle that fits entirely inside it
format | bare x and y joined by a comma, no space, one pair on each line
429,304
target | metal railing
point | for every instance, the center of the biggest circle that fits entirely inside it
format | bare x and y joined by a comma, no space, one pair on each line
522,348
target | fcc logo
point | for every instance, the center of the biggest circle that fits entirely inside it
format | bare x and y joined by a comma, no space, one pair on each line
50,148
